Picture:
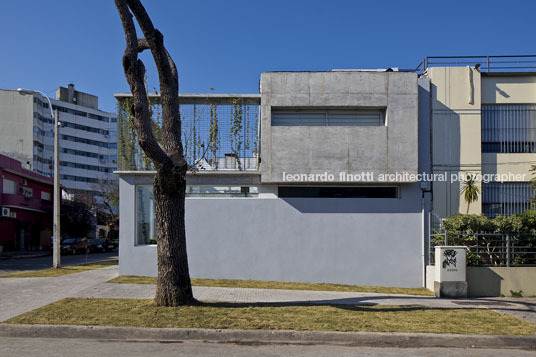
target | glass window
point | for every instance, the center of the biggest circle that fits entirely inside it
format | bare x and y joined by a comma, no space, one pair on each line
9,187
507,198
220,191
338,192
509,128
328,117
45,196
145,223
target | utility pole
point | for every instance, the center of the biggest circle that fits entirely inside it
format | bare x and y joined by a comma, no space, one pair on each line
56,250
56,254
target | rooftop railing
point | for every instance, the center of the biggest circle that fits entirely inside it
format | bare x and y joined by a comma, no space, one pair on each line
514,63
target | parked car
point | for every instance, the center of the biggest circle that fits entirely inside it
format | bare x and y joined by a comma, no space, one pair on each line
102,245
75,245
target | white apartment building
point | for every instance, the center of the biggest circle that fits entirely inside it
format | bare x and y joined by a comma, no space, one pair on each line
88,136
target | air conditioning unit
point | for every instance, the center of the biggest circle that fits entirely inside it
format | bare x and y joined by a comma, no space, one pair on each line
13,215
6,212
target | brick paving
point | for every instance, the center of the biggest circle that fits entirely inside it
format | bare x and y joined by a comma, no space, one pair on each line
19,295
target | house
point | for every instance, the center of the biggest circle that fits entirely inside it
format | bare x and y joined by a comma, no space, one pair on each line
322,205
26,204
353,168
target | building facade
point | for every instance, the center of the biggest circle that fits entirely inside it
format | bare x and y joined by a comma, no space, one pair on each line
88,136
483,123
334,199
26,204
352,167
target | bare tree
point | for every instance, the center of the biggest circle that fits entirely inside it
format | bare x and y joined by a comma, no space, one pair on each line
109,192
173,284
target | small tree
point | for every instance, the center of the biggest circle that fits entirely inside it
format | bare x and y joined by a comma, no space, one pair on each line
76,215
107,207
470,190
173,285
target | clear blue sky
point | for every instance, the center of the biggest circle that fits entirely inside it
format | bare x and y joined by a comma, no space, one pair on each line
226,44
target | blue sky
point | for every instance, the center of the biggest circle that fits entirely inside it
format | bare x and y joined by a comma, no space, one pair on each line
226,44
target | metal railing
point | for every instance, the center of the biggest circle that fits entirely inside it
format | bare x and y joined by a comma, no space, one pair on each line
513,63
219,131
490,249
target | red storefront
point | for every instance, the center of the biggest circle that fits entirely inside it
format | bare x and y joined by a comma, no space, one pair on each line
26,207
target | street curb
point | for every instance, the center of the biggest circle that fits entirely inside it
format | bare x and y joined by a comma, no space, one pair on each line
374,339
25,256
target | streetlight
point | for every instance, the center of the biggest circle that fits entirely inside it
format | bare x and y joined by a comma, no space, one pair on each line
56,252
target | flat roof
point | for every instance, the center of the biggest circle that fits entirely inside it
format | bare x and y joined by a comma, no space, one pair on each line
207,98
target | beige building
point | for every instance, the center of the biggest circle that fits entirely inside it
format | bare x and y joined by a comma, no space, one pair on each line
483,120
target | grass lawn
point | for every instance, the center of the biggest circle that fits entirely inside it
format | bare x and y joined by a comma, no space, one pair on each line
52,272
144,313
258,284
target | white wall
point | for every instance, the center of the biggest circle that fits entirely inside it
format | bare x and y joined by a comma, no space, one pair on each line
350,241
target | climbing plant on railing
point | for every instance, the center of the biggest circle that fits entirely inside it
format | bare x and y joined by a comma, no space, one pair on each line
214,135
210,131
236,134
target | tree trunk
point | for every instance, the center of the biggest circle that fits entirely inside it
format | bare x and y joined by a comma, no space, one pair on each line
173,286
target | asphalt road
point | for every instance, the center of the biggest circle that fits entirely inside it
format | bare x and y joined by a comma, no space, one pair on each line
13,265
81,348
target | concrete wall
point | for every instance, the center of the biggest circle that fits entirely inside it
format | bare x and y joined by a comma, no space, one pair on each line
457,96
314,150
494,281
16,121
350,241
456,133
509,89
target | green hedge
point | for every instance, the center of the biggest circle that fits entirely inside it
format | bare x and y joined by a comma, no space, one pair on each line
472,223
462,231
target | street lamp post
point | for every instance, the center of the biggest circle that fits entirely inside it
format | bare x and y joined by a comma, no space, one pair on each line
56,251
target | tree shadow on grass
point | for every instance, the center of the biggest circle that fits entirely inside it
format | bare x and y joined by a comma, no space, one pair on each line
365,307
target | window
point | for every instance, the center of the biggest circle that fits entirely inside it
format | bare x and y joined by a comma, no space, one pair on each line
506,199
145,224
45,196
338,192
9,187
509,128
221,191
328,117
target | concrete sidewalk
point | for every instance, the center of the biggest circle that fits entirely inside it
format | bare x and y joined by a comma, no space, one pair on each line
19,295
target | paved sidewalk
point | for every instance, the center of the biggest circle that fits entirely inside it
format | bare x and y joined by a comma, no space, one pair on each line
19,295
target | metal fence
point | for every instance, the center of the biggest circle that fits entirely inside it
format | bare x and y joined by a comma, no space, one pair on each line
489,249
219,132
518,63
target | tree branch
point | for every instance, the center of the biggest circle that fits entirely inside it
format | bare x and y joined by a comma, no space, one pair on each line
135,73
169,83
142,45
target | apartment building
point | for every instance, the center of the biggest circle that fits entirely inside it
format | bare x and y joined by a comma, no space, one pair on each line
483,121
88,136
